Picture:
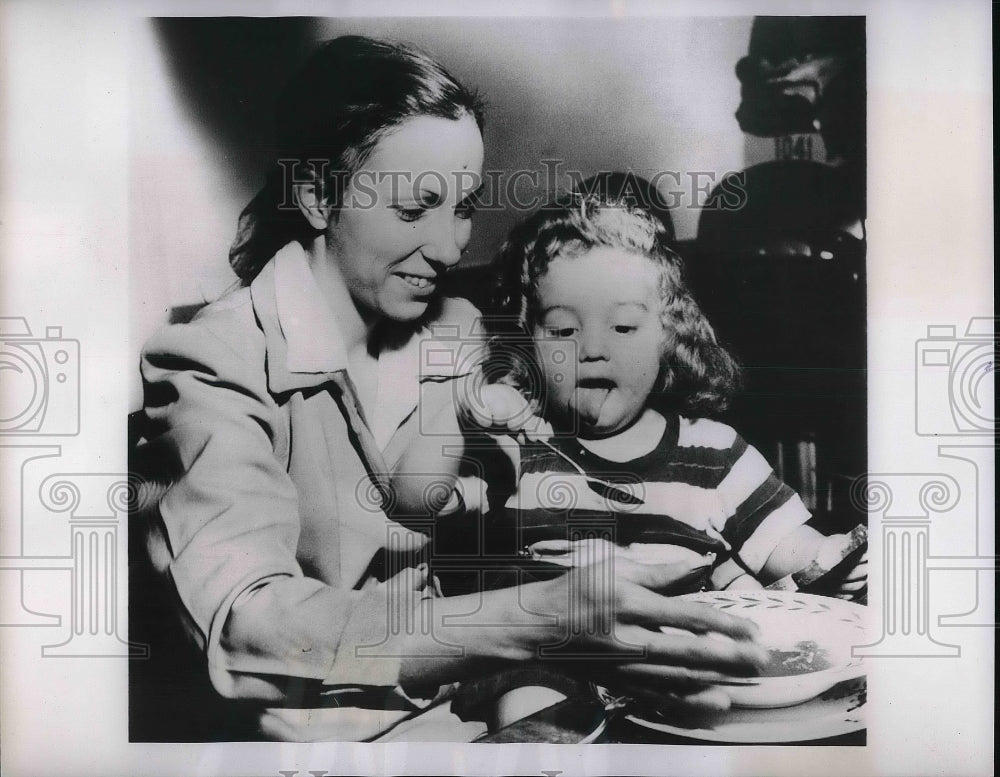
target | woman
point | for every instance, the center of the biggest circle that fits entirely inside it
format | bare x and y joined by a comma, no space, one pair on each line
283,406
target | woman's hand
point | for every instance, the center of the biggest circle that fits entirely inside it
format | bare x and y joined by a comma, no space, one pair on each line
499,409
611,614
602,620
426,473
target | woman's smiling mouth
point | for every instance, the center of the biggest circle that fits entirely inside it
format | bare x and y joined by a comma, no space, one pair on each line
416,281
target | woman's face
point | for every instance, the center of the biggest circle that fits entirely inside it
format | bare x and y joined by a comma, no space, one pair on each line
406,215
599,338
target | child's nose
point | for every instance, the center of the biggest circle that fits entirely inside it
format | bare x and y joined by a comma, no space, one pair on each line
593,345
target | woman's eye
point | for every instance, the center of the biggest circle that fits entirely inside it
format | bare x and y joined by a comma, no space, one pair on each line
465,210
410,214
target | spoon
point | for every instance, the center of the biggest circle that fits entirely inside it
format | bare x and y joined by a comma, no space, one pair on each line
598,486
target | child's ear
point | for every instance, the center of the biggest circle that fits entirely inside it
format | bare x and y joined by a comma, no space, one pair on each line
665,378
665,342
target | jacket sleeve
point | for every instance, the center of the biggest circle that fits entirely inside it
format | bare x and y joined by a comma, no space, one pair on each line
229,522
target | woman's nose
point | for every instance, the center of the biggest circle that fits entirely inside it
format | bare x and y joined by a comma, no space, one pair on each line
446,238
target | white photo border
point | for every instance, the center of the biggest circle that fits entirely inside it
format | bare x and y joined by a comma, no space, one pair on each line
64,196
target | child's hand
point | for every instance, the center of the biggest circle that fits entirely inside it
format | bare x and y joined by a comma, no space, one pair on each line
500,409
856,580
852,582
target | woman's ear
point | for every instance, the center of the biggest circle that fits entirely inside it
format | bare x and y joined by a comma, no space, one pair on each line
311,205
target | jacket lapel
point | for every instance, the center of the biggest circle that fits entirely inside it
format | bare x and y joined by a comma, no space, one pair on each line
305,350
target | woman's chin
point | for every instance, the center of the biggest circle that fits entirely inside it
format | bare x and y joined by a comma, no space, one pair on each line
406,311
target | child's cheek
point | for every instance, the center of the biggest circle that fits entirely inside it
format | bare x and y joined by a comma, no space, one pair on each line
559,372
558,362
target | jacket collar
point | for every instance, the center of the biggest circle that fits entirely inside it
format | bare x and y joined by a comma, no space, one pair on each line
305,347
315,344
303,342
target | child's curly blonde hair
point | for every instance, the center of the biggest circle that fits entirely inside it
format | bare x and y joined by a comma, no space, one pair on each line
698,376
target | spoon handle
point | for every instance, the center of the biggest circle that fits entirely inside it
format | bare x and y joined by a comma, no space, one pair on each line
602,487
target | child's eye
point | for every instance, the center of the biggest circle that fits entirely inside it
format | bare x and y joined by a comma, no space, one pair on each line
410,214
625,329
563,332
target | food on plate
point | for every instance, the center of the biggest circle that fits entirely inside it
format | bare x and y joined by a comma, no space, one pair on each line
806,657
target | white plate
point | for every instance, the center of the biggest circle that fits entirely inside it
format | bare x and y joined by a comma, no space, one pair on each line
833,707
841,710
787,621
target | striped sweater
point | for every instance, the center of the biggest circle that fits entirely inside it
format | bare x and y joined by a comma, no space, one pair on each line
702,480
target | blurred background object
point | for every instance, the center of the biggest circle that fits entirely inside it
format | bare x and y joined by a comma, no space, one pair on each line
780,267
803,73
803,93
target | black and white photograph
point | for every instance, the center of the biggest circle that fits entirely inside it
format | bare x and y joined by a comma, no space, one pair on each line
403,484
459,392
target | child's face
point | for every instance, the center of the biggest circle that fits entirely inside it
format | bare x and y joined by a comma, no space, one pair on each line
606,302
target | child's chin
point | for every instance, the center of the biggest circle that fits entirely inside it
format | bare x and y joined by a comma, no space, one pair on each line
591,428
617,418
600,429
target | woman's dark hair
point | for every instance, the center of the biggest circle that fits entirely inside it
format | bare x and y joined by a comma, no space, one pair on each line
349,94
698,376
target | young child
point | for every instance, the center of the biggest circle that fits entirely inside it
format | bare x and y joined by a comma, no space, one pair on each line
611,403
625,374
